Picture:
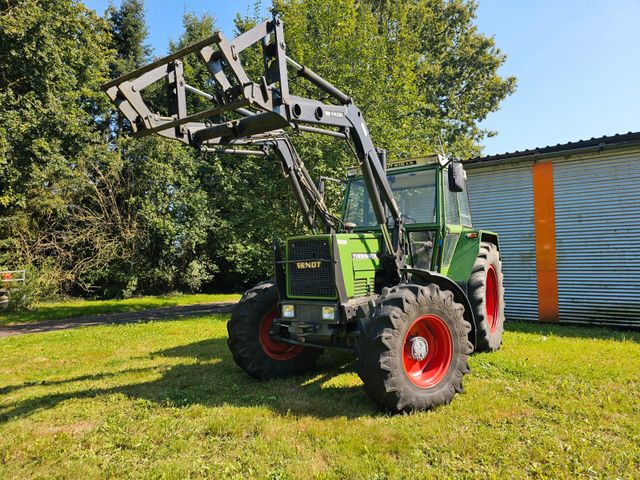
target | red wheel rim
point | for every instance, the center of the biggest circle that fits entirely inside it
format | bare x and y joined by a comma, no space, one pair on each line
491,300
428,371
274,349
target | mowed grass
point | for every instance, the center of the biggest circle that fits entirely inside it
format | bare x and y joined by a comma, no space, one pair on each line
165,400
79,308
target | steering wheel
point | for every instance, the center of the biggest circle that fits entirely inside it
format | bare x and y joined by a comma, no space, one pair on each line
409,217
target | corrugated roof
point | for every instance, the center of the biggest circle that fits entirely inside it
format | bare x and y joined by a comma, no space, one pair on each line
617,140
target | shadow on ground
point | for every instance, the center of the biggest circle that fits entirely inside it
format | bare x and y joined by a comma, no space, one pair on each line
120,318
46,313
208,376
215,380
575,331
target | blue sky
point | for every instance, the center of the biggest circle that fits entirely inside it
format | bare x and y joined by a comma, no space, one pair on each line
577,63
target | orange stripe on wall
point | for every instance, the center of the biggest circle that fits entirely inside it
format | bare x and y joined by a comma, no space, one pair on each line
545,230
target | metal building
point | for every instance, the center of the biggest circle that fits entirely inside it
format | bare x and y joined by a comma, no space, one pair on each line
569,223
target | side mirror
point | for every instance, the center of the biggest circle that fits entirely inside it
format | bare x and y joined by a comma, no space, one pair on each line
457,177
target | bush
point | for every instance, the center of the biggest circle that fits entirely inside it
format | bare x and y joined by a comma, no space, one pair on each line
41,284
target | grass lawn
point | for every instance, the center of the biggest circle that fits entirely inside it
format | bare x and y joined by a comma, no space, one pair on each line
165,400
78,308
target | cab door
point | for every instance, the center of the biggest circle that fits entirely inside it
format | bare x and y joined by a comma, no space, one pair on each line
452,223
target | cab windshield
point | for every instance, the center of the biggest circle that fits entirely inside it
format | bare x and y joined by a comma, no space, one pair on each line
415,193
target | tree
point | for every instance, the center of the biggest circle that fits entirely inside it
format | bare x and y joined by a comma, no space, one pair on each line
53,59
419,69
159,185
54,55
129,32
113,216
421,73
242,193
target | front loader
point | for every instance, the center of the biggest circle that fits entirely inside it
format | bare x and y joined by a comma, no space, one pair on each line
400,278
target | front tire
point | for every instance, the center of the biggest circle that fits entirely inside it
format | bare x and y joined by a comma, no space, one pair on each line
252,347
486,294
413,351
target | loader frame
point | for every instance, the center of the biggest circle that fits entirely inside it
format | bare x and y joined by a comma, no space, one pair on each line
263,109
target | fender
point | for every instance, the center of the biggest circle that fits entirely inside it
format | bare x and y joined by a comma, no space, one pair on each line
459,295
490,237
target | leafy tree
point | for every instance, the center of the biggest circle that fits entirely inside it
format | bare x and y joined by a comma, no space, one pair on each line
113,215
129,32
54,55
242,192
53,59
110,219
420,71
161,186
151,196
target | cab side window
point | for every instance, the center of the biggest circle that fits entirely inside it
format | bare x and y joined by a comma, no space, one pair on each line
421,249
451,207
465,208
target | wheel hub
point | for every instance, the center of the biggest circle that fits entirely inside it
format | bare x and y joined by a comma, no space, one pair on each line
419,348
428,351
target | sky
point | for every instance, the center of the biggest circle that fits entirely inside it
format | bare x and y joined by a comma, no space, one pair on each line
577,63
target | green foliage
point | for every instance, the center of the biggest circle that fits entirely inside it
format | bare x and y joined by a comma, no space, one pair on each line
120,217
54,57
42,283
129,31
420,70
53,60
421,73
171,220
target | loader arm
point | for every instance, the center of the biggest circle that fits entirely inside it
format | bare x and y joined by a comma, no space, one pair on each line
261,111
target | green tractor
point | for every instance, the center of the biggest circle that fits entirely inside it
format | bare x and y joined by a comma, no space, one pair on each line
401,278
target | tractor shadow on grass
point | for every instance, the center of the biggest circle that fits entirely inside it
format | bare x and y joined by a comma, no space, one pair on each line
574,331
331,389
205,374
209,377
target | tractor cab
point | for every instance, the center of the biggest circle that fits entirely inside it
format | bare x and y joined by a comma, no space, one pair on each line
435,214
326,281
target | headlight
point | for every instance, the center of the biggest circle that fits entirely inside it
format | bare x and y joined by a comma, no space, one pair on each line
288,311
328,313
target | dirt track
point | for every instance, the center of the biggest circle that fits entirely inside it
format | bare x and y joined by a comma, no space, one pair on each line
164,313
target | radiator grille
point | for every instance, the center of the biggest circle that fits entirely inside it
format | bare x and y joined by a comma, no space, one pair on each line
310,268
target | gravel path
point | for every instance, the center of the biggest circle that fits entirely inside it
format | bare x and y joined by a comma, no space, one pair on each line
164,313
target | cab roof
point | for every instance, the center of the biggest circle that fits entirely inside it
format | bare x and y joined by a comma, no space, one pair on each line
398,164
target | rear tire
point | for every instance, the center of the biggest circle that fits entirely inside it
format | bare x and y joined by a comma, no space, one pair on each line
413,351
486,294
252,347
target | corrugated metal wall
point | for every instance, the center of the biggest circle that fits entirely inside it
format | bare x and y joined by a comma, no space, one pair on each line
501,200
597,210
